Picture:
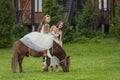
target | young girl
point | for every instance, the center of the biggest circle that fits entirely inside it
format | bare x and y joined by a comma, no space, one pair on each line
57,32
44,26
60,26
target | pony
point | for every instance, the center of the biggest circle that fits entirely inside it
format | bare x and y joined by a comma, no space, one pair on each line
20,51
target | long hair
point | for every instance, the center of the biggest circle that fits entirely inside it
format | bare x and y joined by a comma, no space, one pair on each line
42,22
57,25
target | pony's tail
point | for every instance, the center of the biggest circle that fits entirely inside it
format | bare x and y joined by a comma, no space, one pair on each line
14,59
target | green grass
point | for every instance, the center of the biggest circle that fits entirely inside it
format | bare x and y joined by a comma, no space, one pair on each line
89,61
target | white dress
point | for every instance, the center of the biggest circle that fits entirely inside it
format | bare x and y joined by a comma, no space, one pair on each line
38,41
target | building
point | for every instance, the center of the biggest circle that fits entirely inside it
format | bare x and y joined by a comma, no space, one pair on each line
29,11
107,8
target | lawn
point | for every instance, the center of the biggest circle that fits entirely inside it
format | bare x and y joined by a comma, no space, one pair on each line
89,61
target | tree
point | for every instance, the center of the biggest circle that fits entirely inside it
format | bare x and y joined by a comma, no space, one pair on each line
115,28
6,22
85,20
52,8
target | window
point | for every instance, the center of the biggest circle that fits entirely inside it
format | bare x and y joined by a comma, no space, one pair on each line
102,4
105,5
38,5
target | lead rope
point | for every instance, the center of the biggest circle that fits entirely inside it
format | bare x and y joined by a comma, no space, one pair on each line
64,60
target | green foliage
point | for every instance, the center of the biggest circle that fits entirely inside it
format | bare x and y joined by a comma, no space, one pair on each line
52,8
85,20
115,27
9,32
81,39
68,32
18,31
6,22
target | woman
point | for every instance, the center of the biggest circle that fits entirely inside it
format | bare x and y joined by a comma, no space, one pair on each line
60,26
57,32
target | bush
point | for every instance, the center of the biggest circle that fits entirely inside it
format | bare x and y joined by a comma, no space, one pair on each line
81,39
115,27
18,31
52,8
115,31
68,33
85,20
6,22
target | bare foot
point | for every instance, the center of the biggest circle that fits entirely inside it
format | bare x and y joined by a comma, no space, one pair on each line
51,69
56,70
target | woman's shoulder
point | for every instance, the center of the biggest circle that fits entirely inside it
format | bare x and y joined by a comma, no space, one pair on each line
60,31
53,26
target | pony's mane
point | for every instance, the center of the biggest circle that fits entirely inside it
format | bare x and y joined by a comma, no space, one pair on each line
58,50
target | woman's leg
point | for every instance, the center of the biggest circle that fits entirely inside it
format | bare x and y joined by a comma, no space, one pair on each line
56,70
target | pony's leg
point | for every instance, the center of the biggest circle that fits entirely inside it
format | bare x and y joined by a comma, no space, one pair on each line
20,59
45,68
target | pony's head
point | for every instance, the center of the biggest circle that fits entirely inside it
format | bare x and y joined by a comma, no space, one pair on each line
65,64
59,52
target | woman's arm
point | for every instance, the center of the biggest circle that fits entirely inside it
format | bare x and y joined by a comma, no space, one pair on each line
51,29
47,28
60,40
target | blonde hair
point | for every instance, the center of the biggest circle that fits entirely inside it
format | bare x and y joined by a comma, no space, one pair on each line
43,23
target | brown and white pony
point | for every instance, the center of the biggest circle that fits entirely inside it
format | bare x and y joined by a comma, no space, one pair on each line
20,51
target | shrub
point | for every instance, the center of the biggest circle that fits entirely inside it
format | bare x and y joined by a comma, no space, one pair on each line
68,33
81,39
18,31
52,8
6,22
85,20
115,27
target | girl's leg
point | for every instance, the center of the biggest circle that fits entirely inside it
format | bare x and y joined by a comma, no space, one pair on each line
56,70
51,69
51,64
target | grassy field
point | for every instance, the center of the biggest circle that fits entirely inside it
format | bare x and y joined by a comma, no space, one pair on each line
89,61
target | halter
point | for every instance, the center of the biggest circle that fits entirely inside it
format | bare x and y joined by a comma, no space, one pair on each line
64,60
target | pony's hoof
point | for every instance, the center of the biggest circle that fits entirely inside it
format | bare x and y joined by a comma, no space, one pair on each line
44,69
51,70
56,70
